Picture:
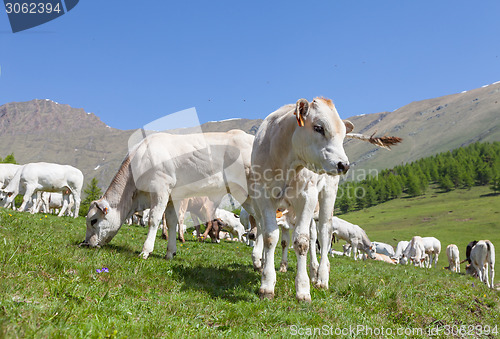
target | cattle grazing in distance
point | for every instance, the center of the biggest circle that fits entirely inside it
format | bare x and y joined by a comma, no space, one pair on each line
48,177
482,257
432,248
400,249
230,223
354,235
48,202
415,252
453,258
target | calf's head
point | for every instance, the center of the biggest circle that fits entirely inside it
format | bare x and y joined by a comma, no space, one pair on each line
102,224
318,141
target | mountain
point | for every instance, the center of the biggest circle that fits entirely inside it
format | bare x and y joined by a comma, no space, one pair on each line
427,127
43,130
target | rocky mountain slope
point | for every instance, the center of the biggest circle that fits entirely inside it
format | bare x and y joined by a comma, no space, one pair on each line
43,130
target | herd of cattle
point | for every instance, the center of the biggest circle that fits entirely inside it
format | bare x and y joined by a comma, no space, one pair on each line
292,166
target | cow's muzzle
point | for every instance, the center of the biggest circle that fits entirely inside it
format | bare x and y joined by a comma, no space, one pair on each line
342,167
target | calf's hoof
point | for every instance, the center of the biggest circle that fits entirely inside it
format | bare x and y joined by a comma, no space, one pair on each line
304,297
283,268
321,285
264,294
144,255
170,256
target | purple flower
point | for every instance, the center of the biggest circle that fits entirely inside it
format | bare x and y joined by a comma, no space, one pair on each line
104,269
472,284
98,271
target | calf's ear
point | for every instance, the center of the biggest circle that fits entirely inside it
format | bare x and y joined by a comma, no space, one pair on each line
103,205
349,126
301,110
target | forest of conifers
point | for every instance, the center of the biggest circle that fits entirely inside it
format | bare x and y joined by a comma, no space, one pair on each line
475,165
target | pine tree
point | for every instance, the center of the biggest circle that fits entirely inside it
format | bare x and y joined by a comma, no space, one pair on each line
495,184
445,183
413,185
93,192
9,159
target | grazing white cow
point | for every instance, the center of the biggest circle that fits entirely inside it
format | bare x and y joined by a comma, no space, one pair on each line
453,257
399,250
7,172
48,177
232,223
383,248
164,169
355,236
482,256
432,248
415,251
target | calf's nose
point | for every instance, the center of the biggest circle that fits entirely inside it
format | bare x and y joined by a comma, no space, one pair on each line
342,167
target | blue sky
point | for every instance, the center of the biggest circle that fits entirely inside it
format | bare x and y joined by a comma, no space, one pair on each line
132,62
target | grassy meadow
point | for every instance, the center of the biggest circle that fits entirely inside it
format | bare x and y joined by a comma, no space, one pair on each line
50,287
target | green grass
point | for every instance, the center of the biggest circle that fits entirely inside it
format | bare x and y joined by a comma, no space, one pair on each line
49,286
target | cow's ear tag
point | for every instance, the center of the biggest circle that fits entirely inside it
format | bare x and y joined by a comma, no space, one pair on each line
300,121
105,210
301,110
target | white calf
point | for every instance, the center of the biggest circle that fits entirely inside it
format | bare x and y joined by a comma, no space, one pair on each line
354,235
482,255
432,248
233,224
453,257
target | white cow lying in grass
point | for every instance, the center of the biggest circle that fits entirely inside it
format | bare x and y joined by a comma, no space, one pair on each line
482,256
166,168
453,258
48,177
354,235
383,248
384,258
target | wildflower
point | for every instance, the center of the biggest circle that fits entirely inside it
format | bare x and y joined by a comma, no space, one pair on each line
45,216
103,270
98,270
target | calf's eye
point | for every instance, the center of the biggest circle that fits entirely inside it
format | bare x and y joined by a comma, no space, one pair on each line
319,129
93,221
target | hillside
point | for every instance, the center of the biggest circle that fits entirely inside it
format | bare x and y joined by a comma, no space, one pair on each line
456,217
43,130
428,127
